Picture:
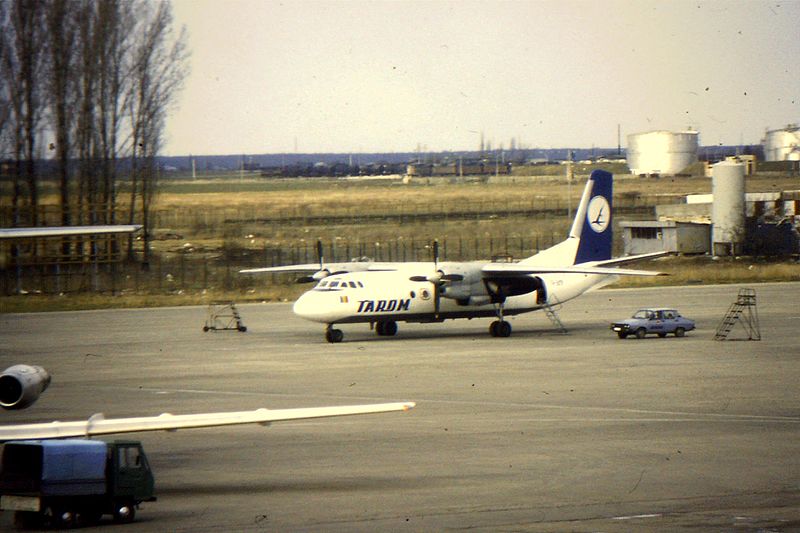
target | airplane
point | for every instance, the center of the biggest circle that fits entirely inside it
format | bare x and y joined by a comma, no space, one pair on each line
384,293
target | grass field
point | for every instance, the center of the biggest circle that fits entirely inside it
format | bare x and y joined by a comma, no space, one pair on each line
224,220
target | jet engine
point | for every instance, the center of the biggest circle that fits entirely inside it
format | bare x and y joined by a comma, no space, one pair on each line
21,385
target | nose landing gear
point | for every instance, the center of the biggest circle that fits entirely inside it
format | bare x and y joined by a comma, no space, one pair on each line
333,335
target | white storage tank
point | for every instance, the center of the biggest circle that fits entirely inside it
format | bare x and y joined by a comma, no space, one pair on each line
783,144
728,208
662,152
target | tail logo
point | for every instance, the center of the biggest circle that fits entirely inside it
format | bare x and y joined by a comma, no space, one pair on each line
598,214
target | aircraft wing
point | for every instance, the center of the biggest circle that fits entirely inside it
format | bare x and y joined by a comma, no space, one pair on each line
515,269
66,231
99,425
310,267
332,268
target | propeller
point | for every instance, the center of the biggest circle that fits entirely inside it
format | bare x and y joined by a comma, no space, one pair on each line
319,274
437,278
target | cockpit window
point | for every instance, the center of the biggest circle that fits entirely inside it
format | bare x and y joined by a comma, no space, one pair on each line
323,283
334,284
352,284
360,284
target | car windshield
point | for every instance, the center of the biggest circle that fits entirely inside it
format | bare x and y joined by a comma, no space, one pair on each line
643,314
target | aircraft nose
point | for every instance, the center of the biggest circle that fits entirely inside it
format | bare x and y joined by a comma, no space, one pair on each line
310,306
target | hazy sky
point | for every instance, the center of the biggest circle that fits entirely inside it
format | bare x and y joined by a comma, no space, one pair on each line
378,76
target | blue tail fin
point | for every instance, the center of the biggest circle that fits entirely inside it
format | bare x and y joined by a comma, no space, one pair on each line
593,219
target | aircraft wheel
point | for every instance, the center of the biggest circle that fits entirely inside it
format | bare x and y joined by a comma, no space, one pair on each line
500,328
390,328
380,328
640,333
680,332
334,335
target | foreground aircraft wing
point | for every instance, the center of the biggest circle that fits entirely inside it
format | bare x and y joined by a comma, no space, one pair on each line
514,269
66,231
99,425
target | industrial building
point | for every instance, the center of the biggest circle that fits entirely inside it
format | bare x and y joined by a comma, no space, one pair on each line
782,144
726,222
643,237
662,152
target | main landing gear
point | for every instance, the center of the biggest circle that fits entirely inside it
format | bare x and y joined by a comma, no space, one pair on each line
386,328
500,328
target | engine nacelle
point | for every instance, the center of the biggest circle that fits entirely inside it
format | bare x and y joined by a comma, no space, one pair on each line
21,385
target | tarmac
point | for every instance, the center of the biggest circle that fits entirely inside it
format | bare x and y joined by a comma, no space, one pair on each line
542,431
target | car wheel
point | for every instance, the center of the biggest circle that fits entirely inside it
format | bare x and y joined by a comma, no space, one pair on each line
680,332
640,333
622,334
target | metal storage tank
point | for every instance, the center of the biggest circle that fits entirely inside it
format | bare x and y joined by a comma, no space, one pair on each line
728,208
661,152
783,144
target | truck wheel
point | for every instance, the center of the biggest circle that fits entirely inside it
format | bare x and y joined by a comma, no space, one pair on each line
124,512
63,518
640,333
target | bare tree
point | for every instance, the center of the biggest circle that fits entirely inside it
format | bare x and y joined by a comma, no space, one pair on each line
114,17
24,63
159,69
61,27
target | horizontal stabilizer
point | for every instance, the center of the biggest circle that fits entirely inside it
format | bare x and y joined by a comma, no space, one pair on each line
630,259
98,425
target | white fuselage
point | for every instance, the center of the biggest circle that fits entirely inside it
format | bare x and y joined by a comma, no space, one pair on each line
374,296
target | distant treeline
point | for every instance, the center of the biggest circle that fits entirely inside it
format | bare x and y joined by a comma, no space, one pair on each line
294,164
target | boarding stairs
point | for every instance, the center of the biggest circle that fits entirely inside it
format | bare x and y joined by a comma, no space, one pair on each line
743,311
550,311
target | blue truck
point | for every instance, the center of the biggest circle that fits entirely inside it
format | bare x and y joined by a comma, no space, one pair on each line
64,483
